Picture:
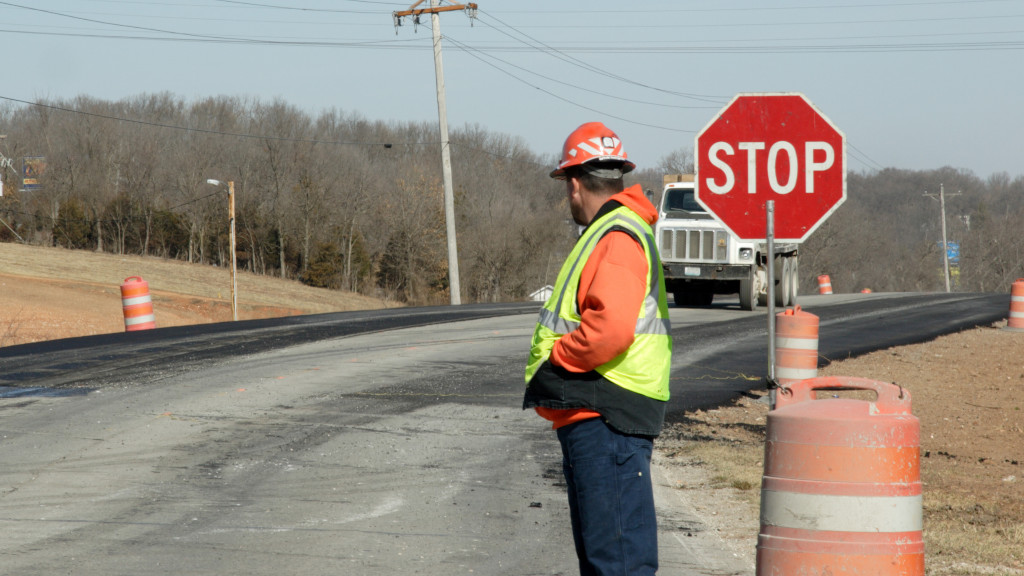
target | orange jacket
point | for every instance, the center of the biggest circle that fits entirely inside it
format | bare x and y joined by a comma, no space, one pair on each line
611,292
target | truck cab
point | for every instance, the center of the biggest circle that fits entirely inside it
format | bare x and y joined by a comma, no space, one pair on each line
702,258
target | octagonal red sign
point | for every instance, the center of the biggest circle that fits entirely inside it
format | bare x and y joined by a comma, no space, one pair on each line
763,147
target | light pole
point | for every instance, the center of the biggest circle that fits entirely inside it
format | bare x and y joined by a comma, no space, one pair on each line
234,265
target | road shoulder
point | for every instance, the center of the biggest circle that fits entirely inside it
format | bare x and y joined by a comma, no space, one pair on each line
699,535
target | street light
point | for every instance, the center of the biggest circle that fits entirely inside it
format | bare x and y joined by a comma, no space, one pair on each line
234,266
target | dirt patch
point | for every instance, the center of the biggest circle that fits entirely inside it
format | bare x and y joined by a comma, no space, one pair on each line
967,391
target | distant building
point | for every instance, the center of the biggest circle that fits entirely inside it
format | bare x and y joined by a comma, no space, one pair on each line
542,294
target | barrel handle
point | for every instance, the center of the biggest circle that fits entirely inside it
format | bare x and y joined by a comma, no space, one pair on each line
890,397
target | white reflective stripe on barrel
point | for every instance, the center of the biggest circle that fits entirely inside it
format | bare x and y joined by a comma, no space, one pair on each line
140,320
795,373
841,513
796,343
137,300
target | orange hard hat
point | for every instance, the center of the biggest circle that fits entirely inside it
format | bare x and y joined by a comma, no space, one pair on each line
592,142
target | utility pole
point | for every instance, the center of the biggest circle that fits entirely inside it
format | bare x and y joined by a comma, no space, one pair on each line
234,257
234,251
442,115
945,244
5,161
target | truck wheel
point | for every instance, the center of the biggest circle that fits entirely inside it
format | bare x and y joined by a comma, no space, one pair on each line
794,280
762,285
782,281
681,298
704,297
749,287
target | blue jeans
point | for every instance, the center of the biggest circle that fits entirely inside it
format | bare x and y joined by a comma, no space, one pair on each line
611,499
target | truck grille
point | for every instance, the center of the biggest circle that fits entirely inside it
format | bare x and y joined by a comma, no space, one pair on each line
694,245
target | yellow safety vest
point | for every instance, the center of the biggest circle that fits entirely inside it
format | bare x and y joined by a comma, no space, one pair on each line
643,368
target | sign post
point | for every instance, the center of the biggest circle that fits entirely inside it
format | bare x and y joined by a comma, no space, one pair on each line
770,242
770,167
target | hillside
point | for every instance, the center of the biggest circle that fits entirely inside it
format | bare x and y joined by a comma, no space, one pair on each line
49,293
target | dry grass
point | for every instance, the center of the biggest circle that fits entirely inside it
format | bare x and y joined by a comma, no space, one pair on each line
50,293
971,530
9,326
177,277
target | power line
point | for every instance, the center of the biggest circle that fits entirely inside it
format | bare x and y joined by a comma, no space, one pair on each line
367,44
94,21
766,8
573,102
478,50
299,9
866,161
473,50
561,52
579,63
419,45
777,24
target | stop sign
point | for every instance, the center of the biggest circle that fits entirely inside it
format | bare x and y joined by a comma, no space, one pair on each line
765,147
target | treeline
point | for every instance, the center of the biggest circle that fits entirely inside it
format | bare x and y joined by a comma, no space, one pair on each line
342,202
887,236
334,200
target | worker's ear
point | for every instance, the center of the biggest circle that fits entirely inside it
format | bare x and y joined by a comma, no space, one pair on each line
572,186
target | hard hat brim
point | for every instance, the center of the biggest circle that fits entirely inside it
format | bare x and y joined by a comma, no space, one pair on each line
627,166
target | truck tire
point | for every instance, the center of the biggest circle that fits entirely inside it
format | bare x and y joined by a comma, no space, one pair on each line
783,275
749,289
681,297
794,280
704,296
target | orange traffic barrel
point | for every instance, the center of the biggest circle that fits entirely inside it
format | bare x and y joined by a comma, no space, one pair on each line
137,305
1016,319
796,345
841,492
824,284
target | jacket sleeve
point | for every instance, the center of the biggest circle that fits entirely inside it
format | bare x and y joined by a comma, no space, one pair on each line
611,294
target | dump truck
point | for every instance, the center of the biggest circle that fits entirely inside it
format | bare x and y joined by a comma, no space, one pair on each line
702,258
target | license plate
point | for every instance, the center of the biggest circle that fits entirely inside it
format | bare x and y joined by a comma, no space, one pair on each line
691,271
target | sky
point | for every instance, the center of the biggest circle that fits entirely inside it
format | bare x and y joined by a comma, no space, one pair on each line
913,84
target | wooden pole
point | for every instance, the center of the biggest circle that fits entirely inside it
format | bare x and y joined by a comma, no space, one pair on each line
234,265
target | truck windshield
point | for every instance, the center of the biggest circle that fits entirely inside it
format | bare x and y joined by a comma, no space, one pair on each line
681,200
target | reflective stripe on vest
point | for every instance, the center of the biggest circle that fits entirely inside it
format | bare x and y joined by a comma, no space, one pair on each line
649,323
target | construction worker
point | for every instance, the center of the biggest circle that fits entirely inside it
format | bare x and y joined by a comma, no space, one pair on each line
600,358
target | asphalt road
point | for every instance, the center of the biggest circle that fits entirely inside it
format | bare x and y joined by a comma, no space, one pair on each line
360,443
